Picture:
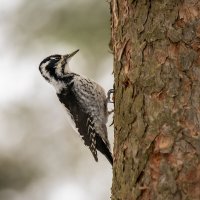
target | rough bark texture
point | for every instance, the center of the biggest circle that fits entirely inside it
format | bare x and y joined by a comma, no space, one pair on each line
156,45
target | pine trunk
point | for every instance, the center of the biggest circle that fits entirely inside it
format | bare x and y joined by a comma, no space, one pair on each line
156,46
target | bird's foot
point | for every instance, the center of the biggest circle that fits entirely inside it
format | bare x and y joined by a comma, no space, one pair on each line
109,98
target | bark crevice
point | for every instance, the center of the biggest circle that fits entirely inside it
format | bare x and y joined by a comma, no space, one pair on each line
156,46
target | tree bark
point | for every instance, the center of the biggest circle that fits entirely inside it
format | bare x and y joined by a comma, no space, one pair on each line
156,46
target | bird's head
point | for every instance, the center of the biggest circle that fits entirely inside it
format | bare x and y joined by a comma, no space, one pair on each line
54,67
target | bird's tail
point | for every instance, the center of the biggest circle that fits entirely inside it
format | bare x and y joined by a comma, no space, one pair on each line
109,156
104,149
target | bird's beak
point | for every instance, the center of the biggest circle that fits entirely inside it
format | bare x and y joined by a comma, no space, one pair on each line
67,58
71,54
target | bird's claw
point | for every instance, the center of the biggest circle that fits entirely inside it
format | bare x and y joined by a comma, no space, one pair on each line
111,91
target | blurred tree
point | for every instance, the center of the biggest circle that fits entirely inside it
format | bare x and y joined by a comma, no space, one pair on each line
157,78
39,150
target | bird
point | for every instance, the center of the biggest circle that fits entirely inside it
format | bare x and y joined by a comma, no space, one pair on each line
84,100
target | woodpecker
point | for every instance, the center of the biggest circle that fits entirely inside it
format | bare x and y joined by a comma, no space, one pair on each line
84,100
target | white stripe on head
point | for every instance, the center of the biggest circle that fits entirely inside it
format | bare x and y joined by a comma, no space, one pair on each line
44,72
58,69
58,85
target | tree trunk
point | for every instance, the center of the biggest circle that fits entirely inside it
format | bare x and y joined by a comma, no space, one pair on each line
156,45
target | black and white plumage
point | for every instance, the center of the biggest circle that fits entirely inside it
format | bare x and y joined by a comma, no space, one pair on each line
84,100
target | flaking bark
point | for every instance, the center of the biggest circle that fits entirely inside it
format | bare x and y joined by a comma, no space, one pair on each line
156,46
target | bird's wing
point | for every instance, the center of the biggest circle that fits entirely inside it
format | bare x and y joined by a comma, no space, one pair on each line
83,102
93,100
83,121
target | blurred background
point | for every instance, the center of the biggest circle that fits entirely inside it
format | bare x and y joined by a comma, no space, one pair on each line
41,157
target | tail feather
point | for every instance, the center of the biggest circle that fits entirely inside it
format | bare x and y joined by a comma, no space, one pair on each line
104,149
109,156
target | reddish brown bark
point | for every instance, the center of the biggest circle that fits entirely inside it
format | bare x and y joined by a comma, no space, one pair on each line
156,45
